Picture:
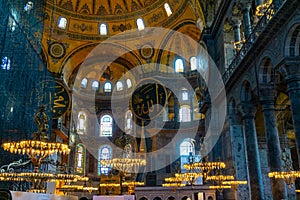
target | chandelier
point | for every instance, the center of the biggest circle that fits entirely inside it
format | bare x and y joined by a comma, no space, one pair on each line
289,177
37,150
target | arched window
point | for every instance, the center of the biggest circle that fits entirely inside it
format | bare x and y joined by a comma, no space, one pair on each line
80,159
187,148
184,114
81,123
128,82
5,63
140,24
107,87
120,86
179,65
28,6
193,62
128,121
83,83
103,29
105,153
184,94
168,9
95,85
106,126
62,23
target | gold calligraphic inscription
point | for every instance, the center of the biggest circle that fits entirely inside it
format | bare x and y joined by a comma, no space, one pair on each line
61,100
149,99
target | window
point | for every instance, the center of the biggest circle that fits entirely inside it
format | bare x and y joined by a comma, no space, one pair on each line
106,126
168,9
83,83
187,148
179,65
107,87
28,6
103,29
95,85
184,114
184,95
128,82
193,62
80,158
140,24
120,86
105,153
62,23
81,123
5,63
128,121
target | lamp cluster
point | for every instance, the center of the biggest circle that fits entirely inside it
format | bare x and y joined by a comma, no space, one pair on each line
34,147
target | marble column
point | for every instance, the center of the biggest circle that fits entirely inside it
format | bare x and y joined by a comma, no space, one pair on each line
239,156
236,23
291,70
267,99
256,184
176,109
246,19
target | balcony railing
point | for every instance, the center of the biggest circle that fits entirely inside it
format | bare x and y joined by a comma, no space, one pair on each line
250,41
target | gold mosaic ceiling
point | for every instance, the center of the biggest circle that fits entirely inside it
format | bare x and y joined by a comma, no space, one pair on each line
107,7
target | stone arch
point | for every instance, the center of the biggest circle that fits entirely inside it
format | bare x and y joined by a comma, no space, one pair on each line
266,71
246,92
232,106
143,198
292,41
170,198
157,198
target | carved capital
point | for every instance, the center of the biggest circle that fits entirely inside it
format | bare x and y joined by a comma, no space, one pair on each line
247,109
290,67
267,96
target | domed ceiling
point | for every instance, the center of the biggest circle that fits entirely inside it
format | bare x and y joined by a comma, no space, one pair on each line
108,7
67,48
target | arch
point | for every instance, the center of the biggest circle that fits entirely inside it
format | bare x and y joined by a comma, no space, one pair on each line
140,24
81,122
104,153
232,106
178,65
83,83
95,85
106,123
103,29
246,94
266,72
185,198
171,198
107,87
80,158
62,23
157,198
292,42
143,198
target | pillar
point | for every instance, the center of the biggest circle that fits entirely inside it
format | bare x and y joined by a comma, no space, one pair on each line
255,175
236,23
239,156
176,109
273,144
246,19
291,70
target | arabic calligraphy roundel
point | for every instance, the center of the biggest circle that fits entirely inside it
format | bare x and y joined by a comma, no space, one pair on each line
149,99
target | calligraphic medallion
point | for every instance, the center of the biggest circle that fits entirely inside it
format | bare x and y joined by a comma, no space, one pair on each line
148,99
61,100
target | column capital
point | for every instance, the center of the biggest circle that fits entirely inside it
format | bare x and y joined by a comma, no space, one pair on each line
235,21
248,110
267,97
245,6
290,67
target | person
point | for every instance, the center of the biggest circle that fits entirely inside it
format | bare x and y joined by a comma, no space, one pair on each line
41,120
